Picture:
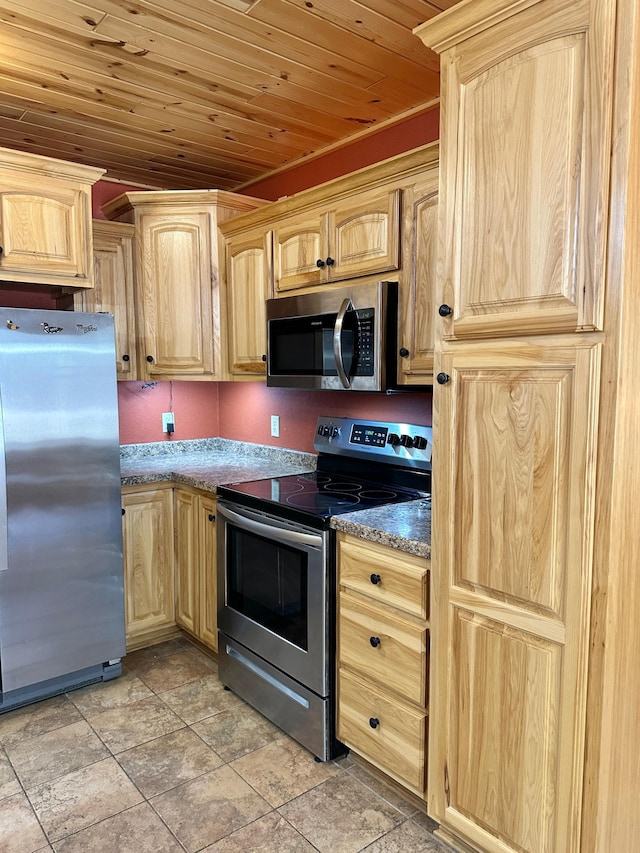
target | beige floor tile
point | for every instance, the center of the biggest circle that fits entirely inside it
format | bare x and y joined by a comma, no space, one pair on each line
9,784
171,671
82,798
200,699
20,831
407,838
143,657
106,695
167,761
237,731
137,830
56,753
341,815
391,795
268,834
283,770
209,808
36,719
131,725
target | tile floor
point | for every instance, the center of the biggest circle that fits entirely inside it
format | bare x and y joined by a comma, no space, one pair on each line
163,760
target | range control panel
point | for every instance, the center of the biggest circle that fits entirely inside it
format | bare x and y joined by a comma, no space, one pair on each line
403,444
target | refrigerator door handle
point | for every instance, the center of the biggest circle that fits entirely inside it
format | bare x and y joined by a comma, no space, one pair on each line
4,552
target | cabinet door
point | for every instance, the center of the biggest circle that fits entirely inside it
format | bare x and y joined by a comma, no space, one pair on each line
113,289
525,142
364,235
249,280
516,428
418,290
300,251
148,563
45,230
175,294
185,507
208,603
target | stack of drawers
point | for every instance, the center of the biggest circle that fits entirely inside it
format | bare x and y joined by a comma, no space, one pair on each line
383,641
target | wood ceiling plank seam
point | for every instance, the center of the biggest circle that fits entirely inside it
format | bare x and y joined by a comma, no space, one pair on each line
407,13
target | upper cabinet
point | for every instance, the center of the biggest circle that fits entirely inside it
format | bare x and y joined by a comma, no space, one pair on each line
355,236
45,220
177,278
113,289
525,182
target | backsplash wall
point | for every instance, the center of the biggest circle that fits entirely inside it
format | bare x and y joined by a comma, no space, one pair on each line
242,410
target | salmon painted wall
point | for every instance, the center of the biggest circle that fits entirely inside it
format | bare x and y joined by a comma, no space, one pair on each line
141,404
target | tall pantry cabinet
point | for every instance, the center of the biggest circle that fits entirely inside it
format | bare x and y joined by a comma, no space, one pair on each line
535,551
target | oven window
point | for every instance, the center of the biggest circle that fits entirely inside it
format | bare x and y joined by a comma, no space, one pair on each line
267,583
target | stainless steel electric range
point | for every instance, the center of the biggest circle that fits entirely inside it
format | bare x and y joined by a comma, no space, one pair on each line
276,568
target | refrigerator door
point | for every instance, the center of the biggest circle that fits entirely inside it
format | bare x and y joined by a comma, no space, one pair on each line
61,575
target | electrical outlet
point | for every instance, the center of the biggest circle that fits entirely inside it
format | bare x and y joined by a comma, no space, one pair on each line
275,425
168,422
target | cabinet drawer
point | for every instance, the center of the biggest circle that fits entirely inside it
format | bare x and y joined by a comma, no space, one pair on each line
383,648
384,574
397,744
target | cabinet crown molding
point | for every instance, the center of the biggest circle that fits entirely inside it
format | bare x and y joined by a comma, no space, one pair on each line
171,198
49,166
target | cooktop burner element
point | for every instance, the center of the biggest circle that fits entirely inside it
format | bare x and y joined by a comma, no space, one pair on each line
360,466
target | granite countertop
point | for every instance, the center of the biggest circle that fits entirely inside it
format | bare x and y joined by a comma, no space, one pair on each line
207,463
406,526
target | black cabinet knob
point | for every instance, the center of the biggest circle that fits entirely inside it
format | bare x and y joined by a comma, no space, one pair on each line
123,510
1,250
212,517
442,378
374,722
149,358
375,579
375,641
445,310
330,262
125,357
320,263
264,357
404,352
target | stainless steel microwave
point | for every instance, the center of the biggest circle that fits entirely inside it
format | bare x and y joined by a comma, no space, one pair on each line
335,339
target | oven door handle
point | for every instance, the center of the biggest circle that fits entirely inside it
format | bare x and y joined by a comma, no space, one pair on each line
270,530
337,341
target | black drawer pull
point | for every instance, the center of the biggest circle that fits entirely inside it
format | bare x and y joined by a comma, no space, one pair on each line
212,517
375,641
125,357
149,358
445,310
375,579
319,263
442,378
374,722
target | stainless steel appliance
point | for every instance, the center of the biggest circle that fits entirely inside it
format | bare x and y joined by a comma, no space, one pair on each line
276,568
61,575
335,339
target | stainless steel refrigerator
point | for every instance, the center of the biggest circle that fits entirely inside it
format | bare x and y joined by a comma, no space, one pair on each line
61,574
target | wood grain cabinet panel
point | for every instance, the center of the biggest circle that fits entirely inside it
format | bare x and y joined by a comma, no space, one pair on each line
45,220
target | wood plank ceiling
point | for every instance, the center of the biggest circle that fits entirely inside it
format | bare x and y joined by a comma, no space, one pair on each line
206,93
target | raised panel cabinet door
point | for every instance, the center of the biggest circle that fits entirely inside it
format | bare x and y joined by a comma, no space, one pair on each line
113,289
526,136
175,294
208,603
364,234
185,509
45,234
249,285
515,426
300,251
418,290
148,562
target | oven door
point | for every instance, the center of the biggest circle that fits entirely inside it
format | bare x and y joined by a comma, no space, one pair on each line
273,578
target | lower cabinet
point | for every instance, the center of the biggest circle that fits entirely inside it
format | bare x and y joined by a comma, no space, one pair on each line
148,565
383,644
195,564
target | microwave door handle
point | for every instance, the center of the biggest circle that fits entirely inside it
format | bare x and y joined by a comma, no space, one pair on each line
337,342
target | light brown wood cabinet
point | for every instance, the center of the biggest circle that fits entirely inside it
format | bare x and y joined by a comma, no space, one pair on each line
113,289
196,593
45,220
524,201
355,236
383,658
148,546
178,257
249,283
